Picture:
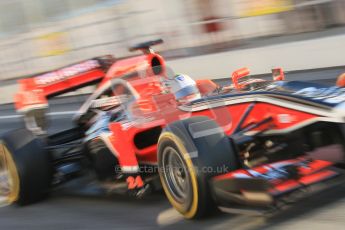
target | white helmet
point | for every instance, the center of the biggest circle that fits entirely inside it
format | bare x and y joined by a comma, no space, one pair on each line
184,88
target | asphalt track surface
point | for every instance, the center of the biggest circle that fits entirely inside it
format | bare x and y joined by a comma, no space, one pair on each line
81,205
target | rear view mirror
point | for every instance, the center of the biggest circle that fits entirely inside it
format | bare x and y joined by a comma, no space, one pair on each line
237,75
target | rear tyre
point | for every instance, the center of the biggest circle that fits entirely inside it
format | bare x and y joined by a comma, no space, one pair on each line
190,153
26,169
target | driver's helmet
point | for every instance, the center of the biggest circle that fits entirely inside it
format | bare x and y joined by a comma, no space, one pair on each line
184,88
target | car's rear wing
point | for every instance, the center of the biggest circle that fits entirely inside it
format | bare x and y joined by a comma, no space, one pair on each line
34,90
32,98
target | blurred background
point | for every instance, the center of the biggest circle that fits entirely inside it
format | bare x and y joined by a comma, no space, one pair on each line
42,35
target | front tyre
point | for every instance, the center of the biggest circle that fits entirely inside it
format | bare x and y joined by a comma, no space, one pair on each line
190,153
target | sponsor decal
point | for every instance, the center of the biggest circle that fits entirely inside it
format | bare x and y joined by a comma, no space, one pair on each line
285,118
64,73
332,95
271,174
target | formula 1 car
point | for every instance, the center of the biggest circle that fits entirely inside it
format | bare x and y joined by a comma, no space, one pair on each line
251,143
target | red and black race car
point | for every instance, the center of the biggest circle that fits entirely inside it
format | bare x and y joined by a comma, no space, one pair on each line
251,143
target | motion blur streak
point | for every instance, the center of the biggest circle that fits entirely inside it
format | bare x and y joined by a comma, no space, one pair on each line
41,35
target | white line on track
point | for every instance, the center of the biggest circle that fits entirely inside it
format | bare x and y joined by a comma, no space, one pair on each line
49,114
10,117
62,113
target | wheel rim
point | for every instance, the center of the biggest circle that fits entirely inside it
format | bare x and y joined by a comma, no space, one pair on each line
177,176
9,179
